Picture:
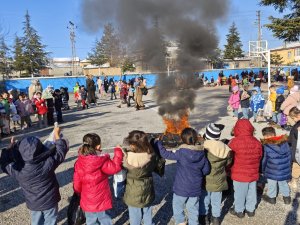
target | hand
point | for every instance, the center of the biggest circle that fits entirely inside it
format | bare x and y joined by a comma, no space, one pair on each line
56,132
12,141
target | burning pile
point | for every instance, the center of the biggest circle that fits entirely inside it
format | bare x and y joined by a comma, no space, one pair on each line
176,126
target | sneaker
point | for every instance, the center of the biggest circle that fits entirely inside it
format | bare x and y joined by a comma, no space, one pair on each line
287,200
215,220
204,220
269,200
250,214
234,213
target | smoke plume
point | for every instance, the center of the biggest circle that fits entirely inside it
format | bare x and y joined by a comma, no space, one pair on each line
144,24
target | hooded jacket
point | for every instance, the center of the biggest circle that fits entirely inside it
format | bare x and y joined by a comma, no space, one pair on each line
219,156
276,163
192,167
234,100
291,101
139,190
278,103
257,101
247,153
272,98
91,174
41,106
293,137
33,166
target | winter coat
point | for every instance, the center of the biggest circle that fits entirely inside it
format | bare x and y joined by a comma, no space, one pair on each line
139,190
276,163
24,107
278,103
83,94
272,98
257,101
91,174
293,137
291,101
58,104
246,102
234,100
219,157
247,153
6,106
41,106
192,166
33,166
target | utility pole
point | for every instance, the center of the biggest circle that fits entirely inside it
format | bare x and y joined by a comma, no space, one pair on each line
258,22
72,28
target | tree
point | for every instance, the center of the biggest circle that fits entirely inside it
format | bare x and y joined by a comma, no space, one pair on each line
5,68
108,49
288,27
276,59
127,65
216,59
34,55
18,55
233,48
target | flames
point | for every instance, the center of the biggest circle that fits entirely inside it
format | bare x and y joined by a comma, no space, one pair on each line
176,126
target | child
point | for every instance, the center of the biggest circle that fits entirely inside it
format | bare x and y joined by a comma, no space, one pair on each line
234,101
276,165
6,114
247,151
65,97
83,97
140,162
279,100
245,101
24,107
272,98
123,93
219,157
33,165
192,166
91,172
131,91
257,102
293,139
41,109
58,105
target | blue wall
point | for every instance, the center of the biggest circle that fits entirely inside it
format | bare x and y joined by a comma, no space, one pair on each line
23,83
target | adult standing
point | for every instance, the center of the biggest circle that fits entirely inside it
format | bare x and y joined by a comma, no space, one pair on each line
291,101
34,88
106,84
139,94
91,89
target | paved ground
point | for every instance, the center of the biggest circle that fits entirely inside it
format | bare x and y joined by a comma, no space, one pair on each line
113,124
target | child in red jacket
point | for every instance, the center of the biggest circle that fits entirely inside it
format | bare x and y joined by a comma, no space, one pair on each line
91,172
41,109
247,151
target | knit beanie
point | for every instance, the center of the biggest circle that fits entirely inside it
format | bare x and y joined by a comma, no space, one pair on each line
213,131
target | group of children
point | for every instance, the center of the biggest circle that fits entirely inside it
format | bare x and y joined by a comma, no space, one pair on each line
205,165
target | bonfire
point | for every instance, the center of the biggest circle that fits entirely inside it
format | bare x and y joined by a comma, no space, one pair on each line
176,125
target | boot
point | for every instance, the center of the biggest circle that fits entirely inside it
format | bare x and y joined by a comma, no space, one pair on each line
215,220
238,214
269,200
294,184
287,200
250,214
204,220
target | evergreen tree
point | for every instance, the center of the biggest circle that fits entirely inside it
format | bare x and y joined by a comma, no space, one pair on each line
108,49
216,59
5,68
276,59
233,48
18,55
127,65
34,55
288,27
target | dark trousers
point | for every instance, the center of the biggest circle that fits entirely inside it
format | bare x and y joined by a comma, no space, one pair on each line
130,97
113,94
59,115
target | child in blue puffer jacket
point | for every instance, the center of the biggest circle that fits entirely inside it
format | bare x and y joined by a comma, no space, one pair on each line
192,166
276,165
257,102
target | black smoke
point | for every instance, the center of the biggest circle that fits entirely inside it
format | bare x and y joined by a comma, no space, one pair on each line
191,23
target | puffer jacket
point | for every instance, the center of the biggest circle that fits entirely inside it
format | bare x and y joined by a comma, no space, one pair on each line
139,191
272,98
276,163
91,174
279,101
219,157
234,100
291,101
192,167
33,165
293,137
41,106
247,153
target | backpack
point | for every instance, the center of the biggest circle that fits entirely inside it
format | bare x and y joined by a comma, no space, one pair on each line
144,90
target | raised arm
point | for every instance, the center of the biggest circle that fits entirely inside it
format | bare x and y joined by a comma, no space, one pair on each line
165,153
112,166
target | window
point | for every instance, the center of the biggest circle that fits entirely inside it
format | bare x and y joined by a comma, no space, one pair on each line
289,54
297,52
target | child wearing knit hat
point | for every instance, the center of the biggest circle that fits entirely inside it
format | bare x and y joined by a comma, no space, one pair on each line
279,100
219,156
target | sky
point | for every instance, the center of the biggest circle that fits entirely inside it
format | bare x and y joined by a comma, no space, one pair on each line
51,18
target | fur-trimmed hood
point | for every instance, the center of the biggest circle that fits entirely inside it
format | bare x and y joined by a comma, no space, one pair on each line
198,147
277,140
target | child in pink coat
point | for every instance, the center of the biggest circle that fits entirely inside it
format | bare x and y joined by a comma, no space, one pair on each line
234,101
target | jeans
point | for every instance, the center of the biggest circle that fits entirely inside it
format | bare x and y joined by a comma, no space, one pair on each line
59,116
244,192
43,119
136,215
245,113
192,206
274,117
254,115
46,217
97,218
279,118
210,198
236,113
284,188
